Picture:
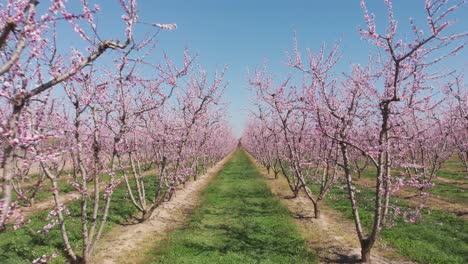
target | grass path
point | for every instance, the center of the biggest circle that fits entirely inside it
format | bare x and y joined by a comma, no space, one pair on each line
239,221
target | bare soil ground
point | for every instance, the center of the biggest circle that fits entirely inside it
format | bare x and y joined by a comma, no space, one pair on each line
128,243
332,236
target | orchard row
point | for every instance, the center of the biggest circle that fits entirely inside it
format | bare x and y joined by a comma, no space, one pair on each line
399,114
99,117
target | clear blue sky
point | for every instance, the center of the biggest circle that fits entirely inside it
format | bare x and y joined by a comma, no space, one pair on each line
243,33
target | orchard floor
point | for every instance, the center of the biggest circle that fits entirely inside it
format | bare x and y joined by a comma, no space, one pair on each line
239,221
237,213
332,237
128,243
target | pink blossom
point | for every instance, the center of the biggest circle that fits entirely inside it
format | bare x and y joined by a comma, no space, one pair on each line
166,26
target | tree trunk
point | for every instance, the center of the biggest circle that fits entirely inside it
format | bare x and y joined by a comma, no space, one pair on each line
8,173
145,216
9,160
317,212
68,248
366,247
296,192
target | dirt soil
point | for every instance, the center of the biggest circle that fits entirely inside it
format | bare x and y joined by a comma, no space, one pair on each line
332,237
128,243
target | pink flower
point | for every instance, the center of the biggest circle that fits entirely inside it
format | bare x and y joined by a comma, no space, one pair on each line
166,26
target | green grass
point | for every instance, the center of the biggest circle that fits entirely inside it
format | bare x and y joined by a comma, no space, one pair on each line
239,222
44,191
439,237
450,192
453,170
24,245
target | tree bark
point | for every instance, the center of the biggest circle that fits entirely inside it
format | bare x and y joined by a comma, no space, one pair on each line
9,164
366,247
317,212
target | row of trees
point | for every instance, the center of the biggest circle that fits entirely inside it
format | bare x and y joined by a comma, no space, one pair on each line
69,115
398,114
